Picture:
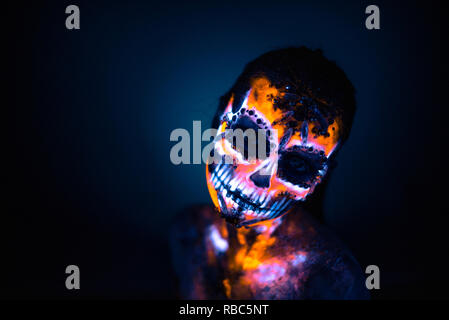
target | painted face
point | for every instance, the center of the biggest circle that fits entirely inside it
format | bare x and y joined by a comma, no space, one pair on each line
299,140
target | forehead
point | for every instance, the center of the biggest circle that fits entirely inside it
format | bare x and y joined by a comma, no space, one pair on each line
278,109
261,97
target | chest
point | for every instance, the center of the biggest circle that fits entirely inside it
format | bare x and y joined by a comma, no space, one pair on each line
259,265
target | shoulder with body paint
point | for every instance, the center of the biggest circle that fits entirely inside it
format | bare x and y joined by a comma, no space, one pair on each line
294,257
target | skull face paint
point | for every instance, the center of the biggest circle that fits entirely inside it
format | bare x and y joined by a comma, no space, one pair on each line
302,106
301,133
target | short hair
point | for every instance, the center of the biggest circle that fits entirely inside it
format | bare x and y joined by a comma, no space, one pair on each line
306,73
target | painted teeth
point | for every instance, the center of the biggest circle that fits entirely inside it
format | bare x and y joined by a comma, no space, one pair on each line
267,200
230,186
281,203
233,185
251,194
273,207
286,204
221,171
246,192
226,174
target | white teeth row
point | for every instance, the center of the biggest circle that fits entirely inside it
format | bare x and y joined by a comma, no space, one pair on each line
267,199
278,207
239,184
226,181
223,174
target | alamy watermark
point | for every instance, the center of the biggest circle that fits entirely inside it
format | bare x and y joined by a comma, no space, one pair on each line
73,280
245,145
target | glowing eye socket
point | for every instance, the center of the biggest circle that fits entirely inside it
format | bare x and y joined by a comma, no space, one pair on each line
300,167
248,144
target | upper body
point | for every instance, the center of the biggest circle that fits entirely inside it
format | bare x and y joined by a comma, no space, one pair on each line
301,105
292,257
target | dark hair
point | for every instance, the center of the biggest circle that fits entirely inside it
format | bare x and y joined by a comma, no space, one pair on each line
307,74
303,74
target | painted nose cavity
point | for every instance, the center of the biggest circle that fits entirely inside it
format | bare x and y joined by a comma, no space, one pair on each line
260,180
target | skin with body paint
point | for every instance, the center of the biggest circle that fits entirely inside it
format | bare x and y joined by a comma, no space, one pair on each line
268,246
250,191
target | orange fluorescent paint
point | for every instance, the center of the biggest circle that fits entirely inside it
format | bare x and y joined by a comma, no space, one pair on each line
210,187
250,257
327,144
259,98
256,262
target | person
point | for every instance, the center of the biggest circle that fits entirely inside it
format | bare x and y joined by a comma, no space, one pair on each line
264,237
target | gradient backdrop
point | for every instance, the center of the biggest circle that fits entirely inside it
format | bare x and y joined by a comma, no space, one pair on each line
90,180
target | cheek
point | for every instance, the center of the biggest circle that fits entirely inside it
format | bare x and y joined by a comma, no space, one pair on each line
283,186
245,170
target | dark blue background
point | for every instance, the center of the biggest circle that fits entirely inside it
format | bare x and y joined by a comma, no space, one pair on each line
91,182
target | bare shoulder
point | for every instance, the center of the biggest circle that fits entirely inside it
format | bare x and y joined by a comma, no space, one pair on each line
292,258
198,273
300,259
327,268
